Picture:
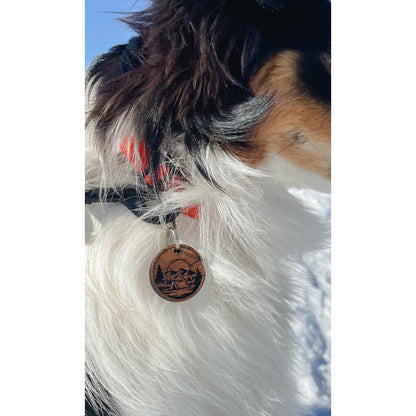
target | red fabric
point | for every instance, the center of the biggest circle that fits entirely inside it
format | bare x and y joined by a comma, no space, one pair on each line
127,147
142,165
192,211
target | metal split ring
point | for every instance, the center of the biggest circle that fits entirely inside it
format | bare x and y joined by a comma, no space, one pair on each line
171,229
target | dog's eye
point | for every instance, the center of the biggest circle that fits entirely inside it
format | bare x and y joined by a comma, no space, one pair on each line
298,137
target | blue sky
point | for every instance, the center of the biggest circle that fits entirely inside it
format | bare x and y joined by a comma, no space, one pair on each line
102,29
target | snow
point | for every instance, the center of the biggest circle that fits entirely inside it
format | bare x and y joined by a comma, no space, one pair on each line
314,327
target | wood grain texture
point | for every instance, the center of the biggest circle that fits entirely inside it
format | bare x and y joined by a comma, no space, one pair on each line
177,275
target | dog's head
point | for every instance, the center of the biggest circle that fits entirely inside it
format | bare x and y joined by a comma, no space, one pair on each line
251,77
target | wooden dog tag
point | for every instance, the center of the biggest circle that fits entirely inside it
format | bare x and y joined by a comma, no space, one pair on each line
177,273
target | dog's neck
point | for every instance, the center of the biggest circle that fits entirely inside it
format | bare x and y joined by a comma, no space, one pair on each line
249,234
247,207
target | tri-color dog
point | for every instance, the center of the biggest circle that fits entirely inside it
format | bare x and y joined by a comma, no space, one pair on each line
196,129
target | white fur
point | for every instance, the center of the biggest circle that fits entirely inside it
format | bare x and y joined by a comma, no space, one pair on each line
230,350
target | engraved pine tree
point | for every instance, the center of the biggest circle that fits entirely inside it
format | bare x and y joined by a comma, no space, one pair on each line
159,275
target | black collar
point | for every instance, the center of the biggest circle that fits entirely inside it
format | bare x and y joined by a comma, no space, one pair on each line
136,202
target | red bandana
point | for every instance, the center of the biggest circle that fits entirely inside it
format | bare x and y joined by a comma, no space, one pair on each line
142,166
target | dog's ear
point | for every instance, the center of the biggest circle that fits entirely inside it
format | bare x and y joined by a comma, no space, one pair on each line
113,64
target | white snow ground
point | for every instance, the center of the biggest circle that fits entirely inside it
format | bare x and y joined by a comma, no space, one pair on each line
314,328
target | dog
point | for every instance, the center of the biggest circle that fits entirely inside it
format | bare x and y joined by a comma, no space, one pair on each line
196,129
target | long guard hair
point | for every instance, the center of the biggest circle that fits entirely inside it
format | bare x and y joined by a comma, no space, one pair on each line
183,85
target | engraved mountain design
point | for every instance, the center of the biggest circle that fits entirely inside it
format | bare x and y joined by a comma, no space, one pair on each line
177,275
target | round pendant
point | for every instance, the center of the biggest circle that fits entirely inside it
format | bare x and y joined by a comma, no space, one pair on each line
177,274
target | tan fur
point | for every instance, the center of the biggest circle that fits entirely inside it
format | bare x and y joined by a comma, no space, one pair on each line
298,127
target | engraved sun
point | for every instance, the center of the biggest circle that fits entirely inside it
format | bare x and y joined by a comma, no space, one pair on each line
178,264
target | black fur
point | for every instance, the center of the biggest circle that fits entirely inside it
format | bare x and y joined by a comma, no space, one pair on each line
189,69
315,77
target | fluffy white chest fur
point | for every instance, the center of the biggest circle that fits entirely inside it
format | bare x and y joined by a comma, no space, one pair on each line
230,350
